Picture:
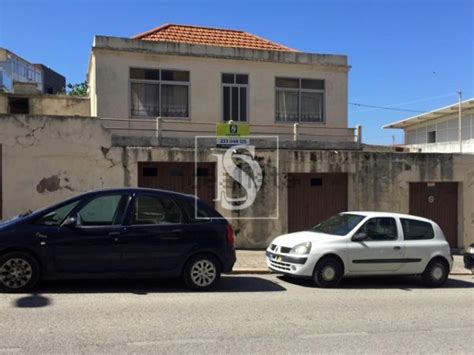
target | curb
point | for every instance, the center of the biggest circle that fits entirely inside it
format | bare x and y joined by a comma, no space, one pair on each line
241,271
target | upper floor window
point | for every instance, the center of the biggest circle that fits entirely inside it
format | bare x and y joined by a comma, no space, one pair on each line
432,137
299,100
235,97
159,92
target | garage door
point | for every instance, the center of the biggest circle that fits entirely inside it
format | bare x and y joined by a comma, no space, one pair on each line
314,197
439,202
179,177
1,184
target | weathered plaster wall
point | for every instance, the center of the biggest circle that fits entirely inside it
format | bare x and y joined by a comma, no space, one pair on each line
377,182
47,159
60,105
3,104
56,105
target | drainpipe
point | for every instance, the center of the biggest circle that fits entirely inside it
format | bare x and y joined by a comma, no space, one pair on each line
460,121
295,131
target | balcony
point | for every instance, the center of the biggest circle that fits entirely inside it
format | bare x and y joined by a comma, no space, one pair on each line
15,70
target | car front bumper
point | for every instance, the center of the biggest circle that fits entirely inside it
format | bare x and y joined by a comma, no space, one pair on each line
289,264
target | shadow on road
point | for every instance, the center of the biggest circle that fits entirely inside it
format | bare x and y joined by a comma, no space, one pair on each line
146,286
406,283
34,300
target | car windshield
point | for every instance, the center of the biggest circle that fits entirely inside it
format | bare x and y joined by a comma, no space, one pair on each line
339,224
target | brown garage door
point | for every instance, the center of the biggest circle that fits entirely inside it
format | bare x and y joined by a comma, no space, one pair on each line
179,177
314,197
1,184
439,202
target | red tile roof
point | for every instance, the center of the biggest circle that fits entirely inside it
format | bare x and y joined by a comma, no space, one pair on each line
209,36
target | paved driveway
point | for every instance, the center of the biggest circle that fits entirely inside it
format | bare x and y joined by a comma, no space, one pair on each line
246,314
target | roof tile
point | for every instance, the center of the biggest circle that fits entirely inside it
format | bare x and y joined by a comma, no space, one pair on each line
209,36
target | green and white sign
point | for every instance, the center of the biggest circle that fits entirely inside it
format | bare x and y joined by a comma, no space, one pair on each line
232,133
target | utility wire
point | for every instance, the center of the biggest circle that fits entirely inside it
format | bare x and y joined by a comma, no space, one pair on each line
390,107
384,107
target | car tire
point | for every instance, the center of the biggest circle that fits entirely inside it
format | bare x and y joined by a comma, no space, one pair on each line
19,272
436,273
328,272
202,272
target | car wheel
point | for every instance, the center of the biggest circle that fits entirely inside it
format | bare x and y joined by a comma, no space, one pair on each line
19,272
202,272
435,274
328,272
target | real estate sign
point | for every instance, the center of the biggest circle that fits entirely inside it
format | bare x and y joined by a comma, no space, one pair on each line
232,133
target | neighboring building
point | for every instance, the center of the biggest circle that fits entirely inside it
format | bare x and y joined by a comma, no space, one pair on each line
53,82
14,69
195,77
438,130
32,89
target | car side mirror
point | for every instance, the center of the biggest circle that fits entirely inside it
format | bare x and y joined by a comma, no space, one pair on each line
71,222
359,237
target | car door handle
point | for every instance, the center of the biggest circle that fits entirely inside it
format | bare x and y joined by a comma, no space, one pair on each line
397,248
177,231
42,236
112,234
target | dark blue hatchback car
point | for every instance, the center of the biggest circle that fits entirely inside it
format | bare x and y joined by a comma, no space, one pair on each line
117,233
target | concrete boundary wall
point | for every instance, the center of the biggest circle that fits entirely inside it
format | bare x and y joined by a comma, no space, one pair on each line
47,159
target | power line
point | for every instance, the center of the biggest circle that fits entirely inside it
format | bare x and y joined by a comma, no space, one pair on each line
430,98
384,107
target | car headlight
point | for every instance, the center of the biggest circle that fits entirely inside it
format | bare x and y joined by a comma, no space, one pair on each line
300,249
470,250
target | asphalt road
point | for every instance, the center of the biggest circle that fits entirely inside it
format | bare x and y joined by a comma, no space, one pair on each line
245,314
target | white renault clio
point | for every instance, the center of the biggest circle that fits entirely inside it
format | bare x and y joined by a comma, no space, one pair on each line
364,243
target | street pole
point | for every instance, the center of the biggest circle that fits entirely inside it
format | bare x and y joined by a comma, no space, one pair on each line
460,121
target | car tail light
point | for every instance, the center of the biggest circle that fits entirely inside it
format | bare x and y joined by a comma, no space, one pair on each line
230,235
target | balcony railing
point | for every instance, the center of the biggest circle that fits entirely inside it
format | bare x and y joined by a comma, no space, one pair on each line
160,128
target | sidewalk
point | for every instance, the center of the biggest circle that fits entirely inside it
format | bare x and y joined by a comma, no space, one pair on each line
254,262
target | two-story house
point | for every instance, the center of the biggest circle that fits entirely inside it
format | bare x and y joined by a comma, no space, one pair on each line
197,76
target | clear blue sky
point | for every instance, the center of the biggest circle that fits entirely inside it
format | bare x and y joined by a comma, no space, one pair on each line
400,51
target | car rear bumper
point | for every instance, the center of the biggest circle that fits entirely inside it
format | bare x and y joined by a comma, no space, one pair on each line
469,261
228,261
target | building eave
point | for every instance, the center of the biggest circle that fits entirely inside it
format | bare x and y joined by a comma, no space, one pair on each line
431,115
